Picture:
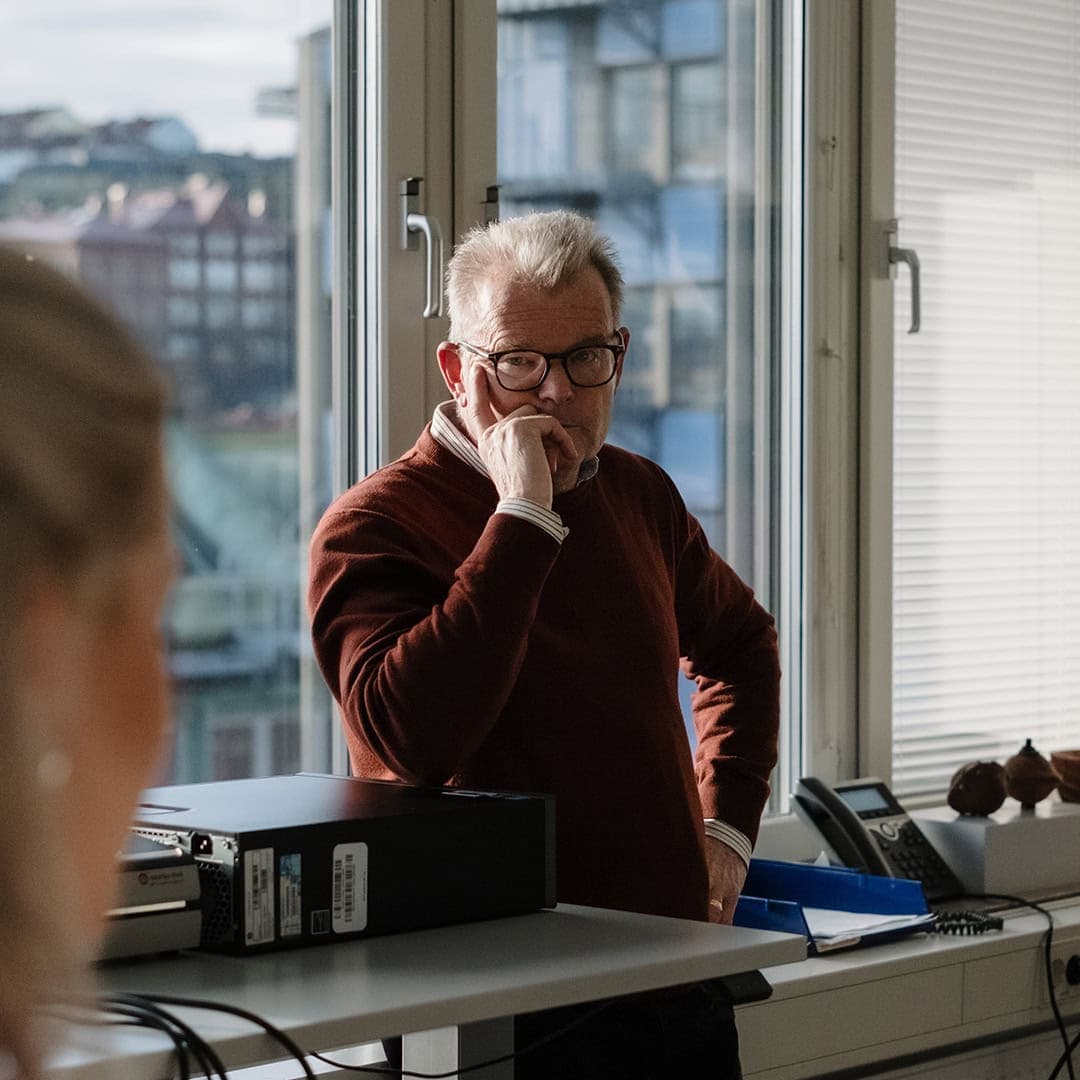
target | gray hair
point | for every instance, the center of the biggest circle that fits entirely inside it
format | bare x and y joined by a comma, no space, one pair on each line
546,250
81,412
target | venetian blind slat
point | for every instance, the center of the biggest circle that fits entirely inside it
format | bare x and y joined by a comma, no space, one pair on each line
986,575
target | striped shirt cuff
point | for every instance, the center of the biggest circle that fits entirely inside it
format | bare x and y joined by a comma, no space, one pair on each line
528,510
728,834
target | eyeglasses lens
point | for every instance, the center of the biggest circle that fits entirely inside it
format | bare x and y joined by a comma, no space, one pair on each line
591,367
585,367
521,371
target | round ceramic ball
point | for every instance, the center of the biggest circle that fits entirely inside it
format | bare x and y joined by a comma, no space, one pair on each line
977,788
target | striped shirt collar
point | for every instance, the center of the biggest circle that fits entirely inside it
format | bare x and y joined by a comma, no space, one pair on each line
445,430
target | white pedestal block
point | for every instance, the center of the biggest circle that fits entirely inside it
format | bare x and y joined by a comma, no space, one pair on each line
1012,851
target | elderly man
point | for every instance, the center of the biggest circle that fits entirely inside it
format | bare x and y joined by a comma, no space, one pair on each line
507,605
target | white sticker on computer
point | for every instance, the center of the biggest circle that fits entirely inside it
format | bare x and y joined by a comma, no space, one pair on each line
349,893
259,884
290,895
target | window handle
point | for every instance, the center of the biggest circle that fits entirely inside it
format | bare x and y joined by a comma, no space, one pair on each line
894,255
909,256
491,204
414,223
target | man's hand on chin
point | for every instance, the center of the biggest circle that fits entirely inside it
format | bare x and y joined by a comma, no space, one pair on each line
727,872
522,451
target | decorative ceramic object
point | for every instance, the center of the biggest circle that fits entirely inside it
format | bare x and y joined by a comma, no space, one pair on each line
1066,763
977,788
1029,777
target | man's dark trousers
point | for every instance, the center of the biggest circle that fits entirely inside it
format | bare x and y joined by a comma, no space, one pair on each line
686,1032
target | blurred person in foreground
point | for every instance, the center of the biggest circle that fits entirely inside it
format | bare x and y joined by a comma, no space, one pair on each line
507,606
85,564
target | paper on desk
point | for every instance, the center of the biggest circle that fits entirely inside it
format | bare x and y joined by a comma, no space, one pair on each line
834,929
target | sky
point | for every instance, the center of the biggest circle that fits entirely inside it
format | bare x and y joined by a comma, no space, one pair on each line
201,60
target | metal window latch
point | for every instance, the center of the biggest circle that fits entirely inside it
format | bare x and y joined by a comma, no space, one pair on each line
909,256
491,204
412,224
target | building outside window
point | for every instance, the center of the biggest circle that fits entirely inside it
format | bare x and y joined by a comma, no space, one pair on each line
167,184
637,113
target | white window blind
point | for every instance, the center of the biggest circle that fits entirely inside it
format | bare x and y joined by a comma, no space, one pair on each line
986,606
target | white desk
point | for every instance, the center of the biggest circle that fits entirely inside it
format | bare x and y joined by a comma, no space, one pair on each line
473,978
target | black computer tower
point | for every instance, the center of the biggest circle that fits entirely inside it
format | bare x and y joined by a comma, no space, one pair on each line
298,860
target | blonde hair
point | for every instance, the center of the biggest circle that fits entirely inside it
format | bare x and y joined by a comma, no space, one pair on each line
81,412
546,250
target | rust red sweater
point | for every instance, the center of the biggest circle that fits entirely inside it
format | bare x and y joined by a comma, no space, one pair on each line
469,648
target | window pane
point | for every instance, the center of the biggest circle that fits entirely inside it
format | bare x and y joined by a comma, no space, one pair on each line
697,348
694,27
677,110
986,620
164,176
635,99
697,120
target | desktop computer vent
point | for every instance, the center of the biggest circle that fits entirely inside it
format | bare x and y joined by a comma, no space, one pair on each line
217,927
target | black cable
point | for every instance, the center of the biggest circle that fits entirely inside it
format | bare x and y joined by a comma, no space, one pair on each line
300,1055
1048,965
1061,1061
965,923
145,1010
180,1050
536,1044
186,1043
275,1033
152,1016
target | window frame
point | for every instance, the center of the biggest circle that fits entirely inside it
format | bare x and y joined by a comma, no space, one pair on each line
878,37
832,357
836,497
474,132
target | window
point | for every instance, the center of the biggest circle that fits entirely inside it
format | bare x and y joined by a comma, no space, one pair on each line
221,274
684,190
535,71
635,127
697,120
167,233
986,564
261,275
182,347
258,313
254,245
233,752
673,122
220,243
221,312
183,244
184,273
697,348
182,311
694,27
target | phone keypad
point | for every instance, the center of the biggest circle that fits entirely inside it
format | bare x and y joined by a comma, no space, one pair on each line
911,856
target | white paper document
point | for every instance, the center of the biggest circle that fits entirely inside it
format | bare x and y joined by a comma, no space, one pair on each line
835,929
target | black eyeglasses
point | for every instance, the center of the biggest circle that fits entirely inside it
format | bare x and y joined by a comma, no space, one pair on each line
524,369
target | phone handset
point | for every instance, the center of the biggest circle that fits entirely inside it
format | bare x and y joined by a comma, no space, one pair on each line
840,825
870,831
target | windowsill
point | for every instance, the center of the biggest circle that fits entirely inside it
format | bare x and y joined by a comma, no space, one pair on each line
927,995
930,994
787,837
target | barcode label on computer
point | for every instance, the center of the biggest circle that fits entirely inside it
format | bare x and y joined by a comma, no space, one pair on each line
349,907
259,896
290,895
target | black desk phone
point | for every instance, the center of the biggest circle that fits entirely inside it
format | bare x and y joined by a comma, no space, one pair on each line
870,831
